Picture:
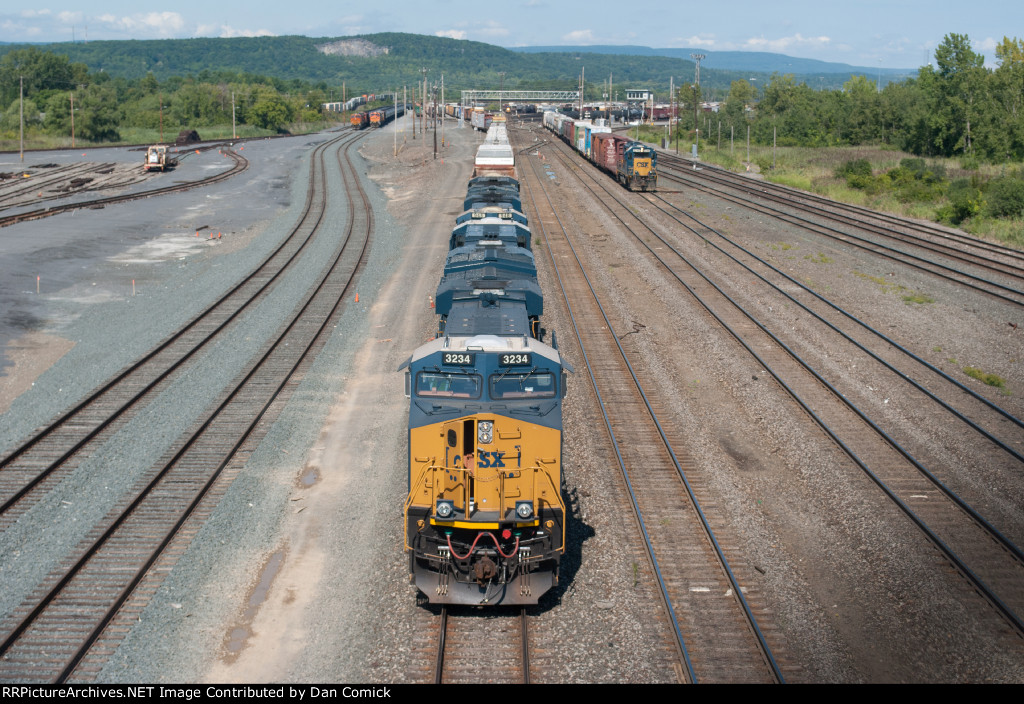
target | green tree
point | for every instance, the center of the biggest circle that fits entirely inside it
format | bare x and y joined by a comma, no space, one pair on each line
957,94
269,111
1006,136
859,111
98,117
41,70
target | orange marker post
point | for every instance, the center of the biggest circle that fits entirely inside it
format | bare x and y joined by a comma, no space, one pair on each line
357,298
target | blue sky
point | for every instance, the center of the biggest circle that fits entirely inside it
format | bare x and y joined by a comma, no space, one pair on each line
893,33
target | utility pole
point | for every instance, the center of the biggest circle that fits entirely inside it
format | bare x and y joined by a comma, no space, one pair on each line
442,110
234,132
501,89
73,122
21,118
671,111
423,124
696,93
583,82
435,124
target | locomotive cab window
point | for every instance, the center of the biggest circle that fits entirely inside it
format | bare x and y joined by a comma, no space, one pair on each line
519,385
448,385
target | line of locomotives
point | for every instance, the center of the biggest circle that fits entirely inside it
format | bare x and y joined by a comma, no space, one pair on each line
632,163
376,118
485,518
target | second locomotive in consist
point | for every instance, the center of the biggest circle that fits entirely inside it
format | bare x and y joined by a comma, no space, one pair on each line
484,518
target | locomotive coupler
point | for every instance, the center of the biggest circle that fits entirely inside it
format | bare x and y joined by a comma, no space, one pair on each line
484,570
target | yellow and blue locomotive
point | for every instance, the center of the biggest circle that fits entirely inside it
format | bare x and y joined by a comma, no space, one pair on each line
485,518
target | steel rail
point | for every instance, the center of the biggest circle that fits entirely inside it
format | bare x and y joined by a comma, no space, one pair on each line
274,393
92,398
766,651
1014,620
740,182
973,282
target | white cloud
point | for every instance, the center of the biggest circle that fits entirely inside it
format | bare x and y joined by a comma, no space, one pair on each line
492,29
987,44
159,23
34,13
451,33
226,32
69,17
580,36
783,44
699,40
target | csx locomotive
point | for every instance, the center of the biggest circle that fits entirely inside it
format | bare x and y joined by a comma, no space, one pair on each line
485,518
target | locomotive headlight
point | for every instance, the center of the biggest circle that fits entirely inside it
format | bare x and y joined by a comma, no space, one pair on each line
485,432
524,509
445,508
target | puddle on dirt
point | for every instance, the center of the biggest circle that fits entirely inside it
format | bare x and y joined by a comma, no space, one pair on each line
240,633
310,476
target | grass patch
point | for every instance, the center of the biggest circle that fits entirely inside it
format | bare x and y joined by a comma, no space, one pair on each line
783,246
819,259
989,379
919,298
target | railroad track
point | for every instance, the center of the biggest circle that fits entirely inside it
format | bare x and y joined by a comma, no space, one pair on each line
718,636
239,164
991,562
984,267
912,230
16,191
53,630
482,647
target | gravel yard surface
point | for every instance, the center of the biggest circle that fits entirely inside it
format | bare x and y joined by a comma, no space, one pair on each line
299,574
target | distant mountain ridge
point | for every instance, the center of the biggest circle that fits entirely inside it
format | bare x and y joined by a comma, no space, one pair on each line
759,61
383,61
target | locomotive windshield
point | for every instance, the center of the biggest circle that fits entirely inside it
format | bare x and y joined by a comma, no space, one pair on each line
448,385
531,385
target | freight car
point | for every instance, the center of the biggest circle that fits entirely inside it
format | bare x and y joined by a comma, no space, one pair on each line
480,119
632,163
484,517
495,156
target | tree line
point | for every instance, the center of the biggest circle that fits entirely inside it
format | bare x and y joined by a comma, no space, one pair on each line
104,105
956,108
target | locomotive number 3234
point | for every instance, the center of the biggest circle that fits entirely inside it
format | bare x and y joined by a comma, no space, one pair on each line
458,358
514,360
